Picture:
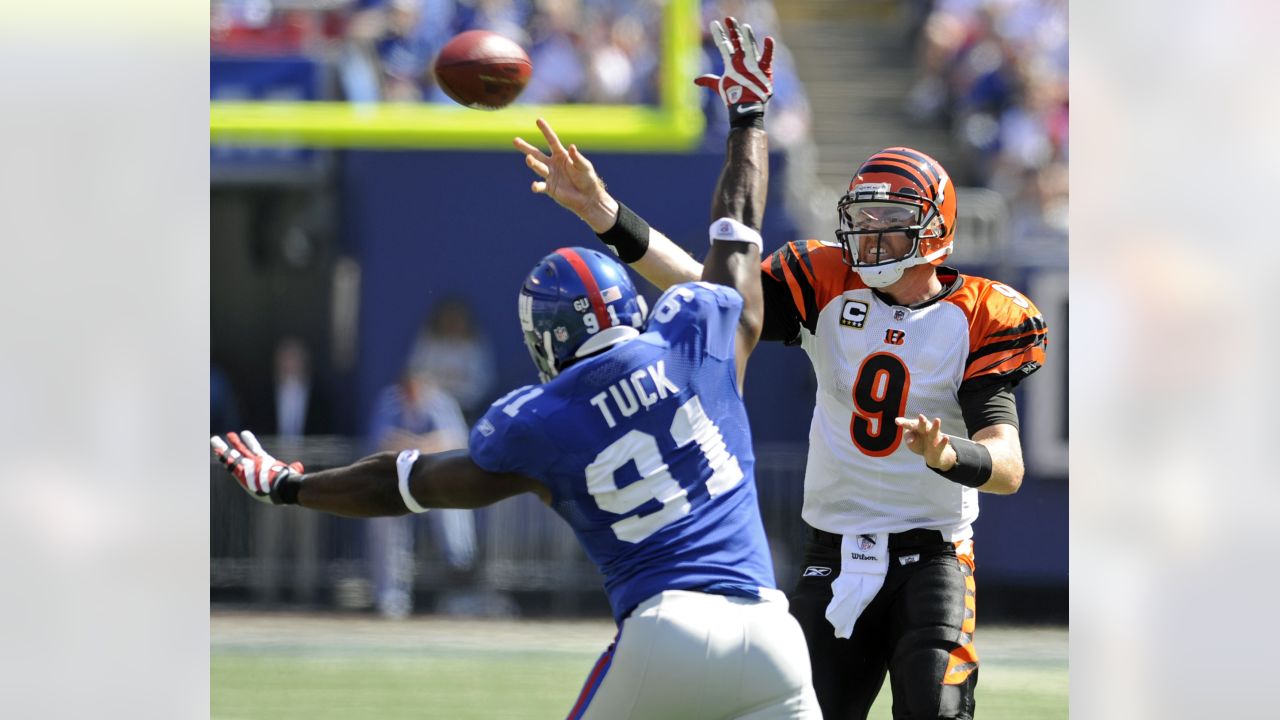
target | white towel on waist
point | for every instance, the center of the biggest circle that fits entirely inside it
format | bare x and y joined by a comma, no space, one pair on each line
864,561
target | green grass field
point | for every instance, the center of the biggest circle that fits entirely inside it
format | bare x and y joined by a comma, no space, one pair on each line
329,666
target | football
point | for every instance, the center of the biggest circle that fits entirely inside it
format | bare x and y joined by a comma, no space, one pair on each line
482,69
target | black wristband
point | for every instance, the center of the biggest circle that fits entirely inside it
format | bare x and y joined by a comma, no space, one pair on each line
973,463
285,491
747,115
629,236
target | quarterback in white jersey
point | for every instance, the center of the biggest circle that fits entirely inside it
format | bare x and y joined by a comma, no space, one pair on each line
877,361
915,415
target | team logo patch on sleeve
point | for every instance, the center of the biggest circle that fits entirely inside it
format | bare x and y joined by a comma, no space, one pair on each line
817,571
853,314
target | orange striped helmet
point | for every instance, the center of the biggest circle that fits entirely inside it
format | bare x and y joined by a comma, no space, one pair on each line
908,185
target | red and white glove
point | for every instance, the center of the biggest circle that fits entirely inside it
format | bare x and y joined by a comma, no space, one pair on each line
265,478
747,83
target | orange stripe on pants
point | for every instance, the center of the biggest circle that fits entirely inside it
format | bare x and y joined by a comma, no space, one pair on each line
964,659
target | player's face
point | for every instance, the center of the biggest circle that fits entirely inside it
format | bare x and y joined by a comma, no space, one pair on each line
880,232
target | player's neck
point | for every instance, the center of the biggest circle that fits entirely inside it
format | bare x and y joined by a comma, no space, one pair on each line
918,284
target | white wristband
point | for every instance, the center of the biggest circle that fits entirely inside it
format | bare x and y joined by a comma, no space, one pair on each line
404,464
729,229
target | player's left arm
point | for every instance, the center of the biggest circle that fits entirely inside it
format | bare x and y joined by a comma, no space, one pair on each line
1007,342
380,485
737,210
737,207
990,462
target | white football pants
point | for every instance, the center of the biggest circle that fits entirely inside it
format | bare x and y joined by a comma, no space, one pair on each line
693,655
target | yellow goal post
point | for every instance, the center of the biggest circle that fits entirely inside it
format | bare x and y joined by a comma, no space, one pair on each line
675,124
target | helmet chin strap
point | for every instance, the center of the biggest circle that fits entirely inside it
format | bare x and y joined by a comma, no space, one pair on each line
884,276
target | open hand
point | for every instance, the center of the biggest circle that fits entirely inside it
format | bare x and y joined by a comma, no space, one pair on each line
257,472
570,179
747,83
925,437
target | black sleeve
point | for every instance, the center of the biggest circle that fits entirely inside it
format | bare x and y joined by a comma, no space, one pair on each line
781,323
987,404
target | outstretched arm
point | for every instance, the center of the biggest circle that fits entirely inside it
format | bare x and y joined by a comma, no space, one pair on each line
570,179
369,487
732,261
737,208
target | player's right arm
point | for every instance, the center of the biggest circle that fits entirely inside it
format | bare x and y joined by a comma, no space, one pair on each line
380,485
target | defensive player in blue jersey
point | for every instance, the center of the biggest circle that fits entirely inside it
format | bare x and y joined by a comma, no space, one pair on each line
638,437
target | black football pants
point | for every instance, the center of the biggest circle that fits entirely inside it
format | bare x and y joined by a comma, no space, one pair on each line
919,628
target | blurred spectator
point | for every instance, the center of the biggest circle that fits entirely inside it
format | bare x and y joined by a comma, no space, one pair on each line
451,348
258,27
224,411
559,75
995,71
415,412
298,411
298,407
387,56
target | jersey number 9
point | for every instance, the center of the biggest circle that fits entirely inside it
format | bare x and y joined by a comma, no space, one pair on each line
879,396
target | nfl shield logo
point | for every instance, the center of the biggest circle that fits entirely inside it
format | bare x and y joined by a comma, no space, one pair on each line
561,334
899,314
866,542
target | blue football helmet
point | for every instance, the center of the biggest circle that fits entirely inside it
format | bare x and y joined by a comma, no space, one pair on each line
577,302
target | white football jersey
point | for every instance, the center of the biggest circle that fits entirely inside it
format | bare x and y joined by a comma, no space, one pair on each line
876,361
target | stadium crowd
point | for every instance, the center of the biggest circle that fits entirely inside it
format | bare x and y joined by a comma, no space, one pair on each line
995,72
585,51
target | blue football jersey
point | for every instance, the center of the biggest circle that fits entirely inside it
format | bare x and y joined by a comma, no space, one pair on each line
647,454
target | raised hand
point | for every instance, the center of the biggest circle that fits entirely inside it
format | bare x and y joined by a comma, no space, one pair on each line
570,179
261,475
747,83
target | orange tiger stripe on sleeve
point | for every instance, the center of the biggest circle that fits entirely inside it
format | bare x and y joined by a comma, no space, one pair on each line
1007,333
813,273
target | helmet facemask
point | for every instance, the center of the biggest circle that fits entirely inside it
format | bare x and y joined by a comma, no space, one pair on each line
881,231
539,344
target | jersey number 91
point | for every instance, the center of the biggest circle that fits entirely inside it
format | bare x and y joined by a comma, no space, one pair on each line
690,425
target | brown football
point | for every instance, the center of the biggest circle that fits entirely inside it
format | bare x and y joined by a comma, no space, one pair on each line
482,69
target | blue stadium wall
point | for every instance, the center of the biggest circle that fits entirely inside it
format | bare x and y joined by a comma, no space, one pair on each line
426,226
